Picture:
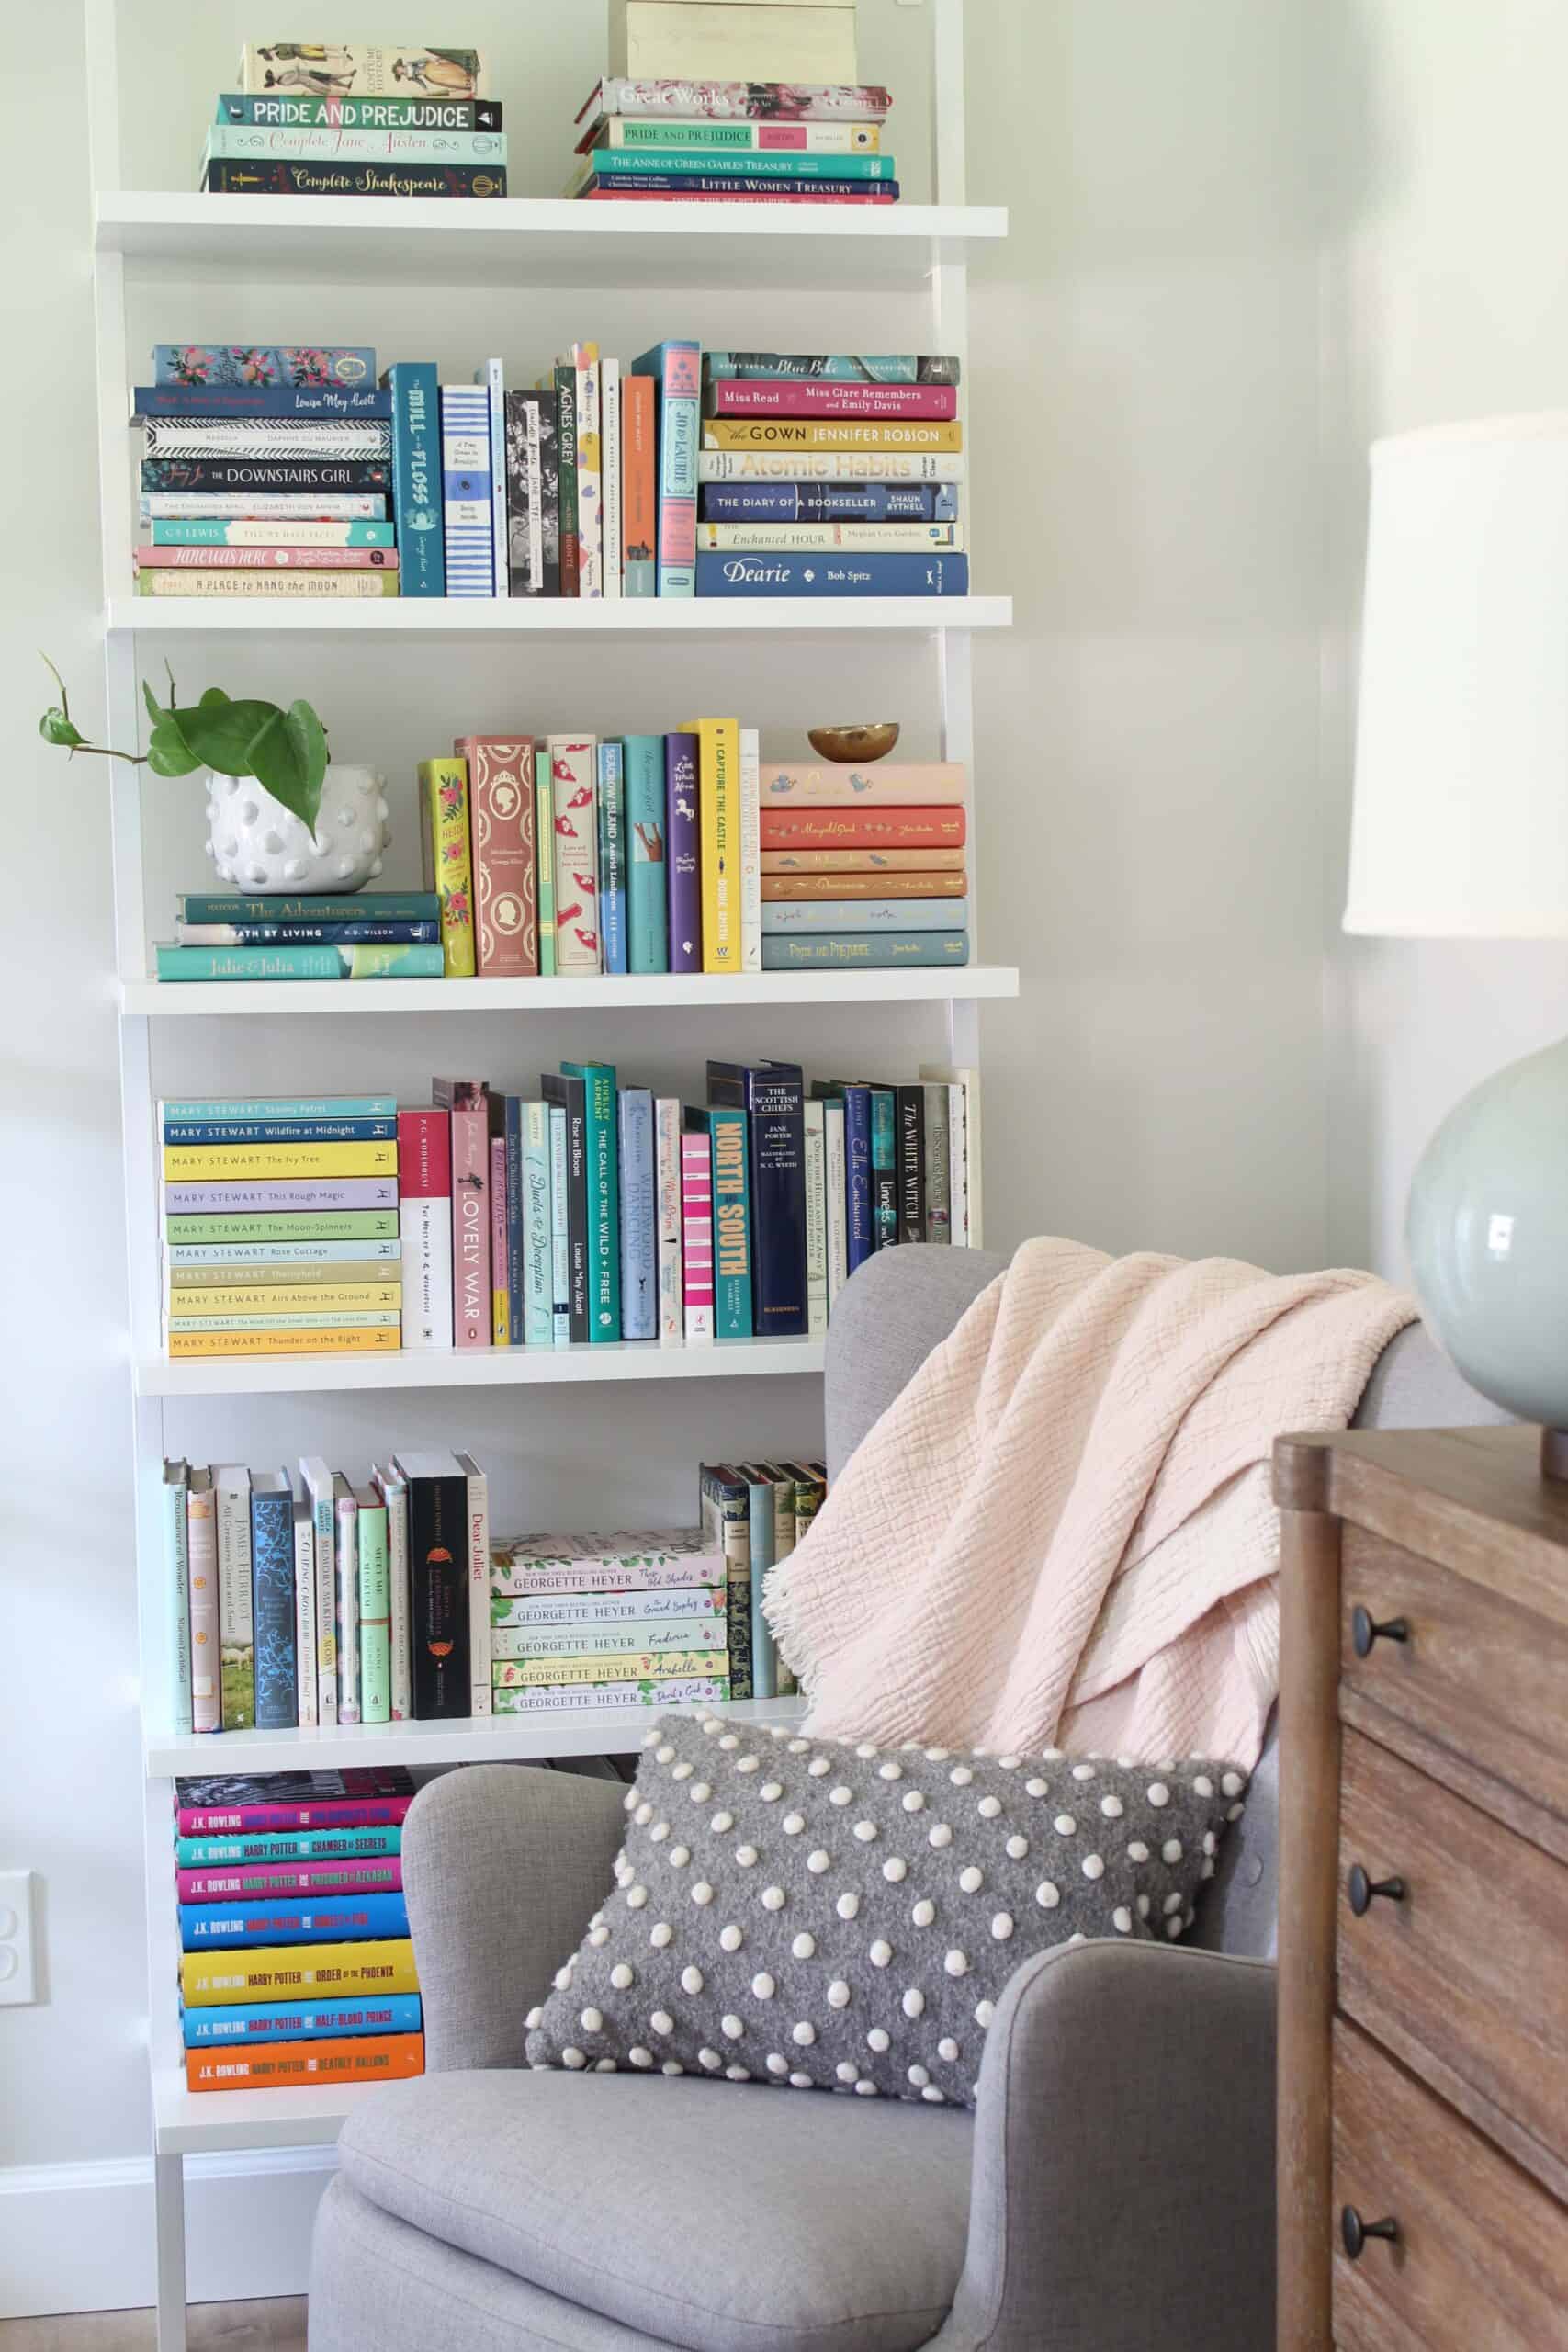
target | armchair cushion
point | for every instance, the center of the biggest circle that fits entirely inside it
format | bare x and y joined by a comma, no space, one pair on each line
704,2219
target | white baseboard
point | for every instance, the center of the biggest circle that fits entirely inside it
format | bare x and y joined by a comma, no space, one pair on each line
79,2237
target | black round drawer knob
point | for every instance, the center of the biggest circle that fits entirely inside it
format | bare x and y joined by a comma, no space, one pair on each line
1361,1890
1365,1631
1355,2231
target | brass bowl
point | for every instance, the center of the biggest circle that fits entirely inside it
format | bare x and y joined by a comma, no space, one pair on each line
855,745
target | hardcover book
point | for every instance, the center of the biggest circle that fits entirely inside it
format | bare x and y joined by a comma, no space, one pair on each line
307,1847
603,1197
718,801
285,107
504,854
910,1115
582,363
375,1609
766,165
476,1506
532,494
307,1687
732,101
731,1225
277,177
636,132
266,2022
792,397
367,69
586,1697
266,1881
696,1231
267,517
447,861
415,393
625,1561
612,816
773,502
863,950
652,179
538,1275
370,2058
666,1144
489,376
773,1097
838,367
610,462
675,369
392,1488
725,1502
832,436
561,1230
357,1796
639,1240
285,1972
272,1601
345,1561
466,1102
201,1557
336,403
316,1479
424,1226
567,1091
293,476
935,1163
232,1486
335,142
573,761
684,852
468,513
783,916
343,586
816,1134
588,1621
817,465
639,488
883,1167
641,1637
808,827
331,1918
935,574
224,364
283,439
176,1571
827,539
438,1574
647,920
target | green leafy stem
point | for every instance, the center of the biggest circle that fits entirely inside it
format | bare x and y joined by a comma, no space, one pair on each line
286,751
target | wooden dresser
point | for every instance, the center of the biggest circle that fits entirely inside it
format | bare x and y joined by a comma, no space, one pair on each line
1423,2185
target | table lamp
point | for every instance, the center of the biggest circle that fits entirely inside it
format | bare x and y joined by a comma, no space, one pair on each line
1460,831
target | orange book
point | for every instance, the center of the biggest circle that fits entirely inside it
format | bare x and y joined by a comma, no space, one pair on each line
270,2066
863,828
780,887
640,488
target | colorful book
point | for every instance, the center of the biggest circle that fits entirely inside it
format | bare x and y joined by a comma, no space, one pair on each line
771,1096
573,761
503,853
378,1337
815,1129
321,963
477,1561
737,101
795,397
387,2058
262,514
392,906
264,1881
910,1135
286,107
276,176
625,1561
176,1571
447,859
950,887
375,1607
612,164
353,1797
639,1224
603,1182
834,436
390,69
564,383
816,367
307,1693
275,1697
425,1226
639,1638
277,439
634,132
467,511
849,575
837,1181
393,1490
675,369
666,1210
819,464
438,1583
725,1502
281,1261
533,494
750,860
490,377
770,503
207,364
684,856
731,1225
586,1697
583,362
605,1666
566,1090
545,874
828,538
862,828
286,1972
647,917
653,181
229,477
206,1633
273,2021
761,1517
236,1621
610,468
255,1161
697,1232
640,488
537,1241
916,784
467,1102
266,558
345,1558
782,917
317,1480
506,1276
935,1163
307,934
693,1614
330,1918
718,800
610,803
417,476
266,402
864,951
324,1848
963,1149
331,1224
883,1167
561,1230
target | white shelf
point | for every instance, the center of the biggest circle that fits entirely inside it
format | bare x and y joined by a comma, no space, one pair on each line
472,1368
916,985
496,1739
448,616
188,2122
520,241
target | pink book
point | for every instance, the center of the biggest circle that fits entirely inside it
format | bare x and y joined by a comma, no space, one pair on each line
696,1236
817,396
499,1262
465,1099
240,558
260,1882
424,1226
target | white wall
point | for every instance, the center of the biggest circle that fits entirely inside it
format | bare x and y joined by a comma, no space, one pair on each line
1446,297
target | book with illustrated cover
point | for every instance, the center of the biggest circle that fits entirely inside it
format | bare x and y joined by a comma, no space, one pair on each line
697,1608
476,1507
228,176
817,465
573,766
271,1848
815,1126
611,799
277,1702
328,1918
865,950
490,377
567,1092
362,69
338,142
357,1796
468,512
503,853
684,852
343,586
176,1500
286,108
414,391
731,101
446,859
723,1498
647,920
262,1881
222,364
779,575
718,804
231,1485
533,494
640,488
696,1231
563,381
668,1219
561,1698
201,1557
375,1597
625,1560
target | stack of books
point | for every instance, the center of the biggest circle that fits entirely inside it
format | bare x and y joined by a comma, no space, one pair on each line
280,1226
325,119
266,472
369,935
755,1513
622,1620
297,1966
865,865
756,142
304,1600
830,474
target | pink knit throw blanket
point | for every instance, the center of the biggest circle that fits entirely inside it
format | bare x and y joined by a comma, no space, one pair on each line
1061,1534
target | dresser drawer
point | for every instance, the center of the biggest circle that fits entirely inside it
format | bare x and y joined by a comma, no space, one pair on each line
1463,1974
1475,1673
1482,2255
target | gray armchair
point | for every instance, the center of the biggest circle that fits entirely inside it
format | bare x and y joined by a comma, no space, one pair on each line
1112,2192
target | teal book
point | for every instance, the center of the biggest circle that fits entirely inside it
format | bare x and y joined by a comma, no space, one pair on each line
603,1198
539,1289
372,963
883,1167
759,1515
611,814
793,163
218,531
648,926
375,1608
731,1226
384,906
418,487
866,951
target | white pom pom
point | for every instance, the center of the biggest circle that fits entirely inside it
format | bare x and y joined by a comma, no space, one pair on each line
956,1964
914,2002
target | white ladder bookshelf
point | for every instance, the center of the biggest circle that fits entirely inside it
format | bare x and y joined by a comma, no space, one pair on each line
158,257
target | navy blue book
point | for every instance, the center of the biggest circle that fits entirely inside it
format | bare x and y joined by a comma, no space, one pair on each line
280,1130
516,1283
856,1099
833,575
774,1096
829,502
412,389
272,1599
337,403
300,1920
639,1244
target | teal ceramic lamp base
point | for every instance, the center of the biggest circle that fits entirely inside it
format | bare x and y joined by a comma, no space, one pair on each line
1487,1229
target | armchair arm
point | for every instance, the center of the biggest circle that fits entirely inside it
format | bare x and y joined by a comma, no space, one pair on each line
503,1866
1124,2180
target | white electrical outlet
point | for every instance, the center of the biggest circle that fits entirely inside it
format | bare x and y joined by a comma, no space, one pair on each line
18,1972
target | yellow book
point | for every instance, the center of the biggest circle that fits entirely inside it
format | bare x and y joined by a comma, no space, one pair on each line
308,1273
370,1339
448,860
718,810
825,435
284,1300
611,1665
278,1972
213,1163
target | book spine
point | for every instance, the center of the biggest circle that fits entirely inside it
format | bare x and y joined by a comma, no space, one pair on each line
470,1225
236,1617
176,1569
950,887
206,1637
750,851
332,1918
447,858
667,1141
612,813
490,378
285,108
378,68
466,513
610,460
537,1240
879,436
763,165
696,1614
787,397
791,502
574,1096
375,1609
246,1816
345,1555
815,1140
395,1494
696,1239
529,435
279,439
545,870
327,1848
217,1979
963,1209
590,471
909,1112
682,835
438,1555
280,1262
232,176
826,465
264,558
341,142
639,1247
727,1518
923,784
323,1528
759,1516
191,1131
346,1225
417,476
838,367
267,517
862,829
338,1336
601,1666
687,1690
272,1607
307,1696
560,1230
475,1556
354,963
387,2058
262,2021
340,586
516,1274
781,917
719,802
190,1162
836,1182
307,934
934,1162
731,1226
849,575
266,1881
501,816
566,412
737,101
776,1129
407,906
864,951
499,1240
204,366
884,1168
675,368
572,762
237,476
583,1644
742,138
640,488
529,1573
827,539
648,936
603,1203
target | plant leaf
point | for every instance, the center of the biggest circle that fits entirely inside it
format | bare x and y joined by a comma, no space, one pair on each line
220,733
168,754
154,708
289,754
213,697
55,727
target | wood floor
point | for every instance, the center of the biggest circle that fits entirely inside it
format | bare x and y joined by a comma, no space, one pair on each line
212,2327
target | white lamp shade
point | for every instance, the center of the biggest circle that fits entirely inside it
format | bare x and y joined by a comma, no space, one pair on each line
1461,822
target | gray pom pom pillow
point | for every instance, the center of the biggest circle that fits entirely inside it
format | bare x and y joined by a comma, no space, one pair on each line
808,1912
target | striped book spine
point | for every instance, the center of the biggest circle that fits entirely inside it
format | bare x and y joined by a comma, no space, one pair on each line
696,1236
466,488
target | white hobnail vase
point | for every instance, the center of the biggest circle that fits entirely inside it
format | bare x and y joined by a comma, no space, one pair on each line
260,846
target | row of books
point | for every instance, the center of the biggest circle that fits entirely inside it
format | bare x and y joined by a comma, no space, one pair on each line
754,1514
625,856
817,144
681,473
418,121
296,1965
